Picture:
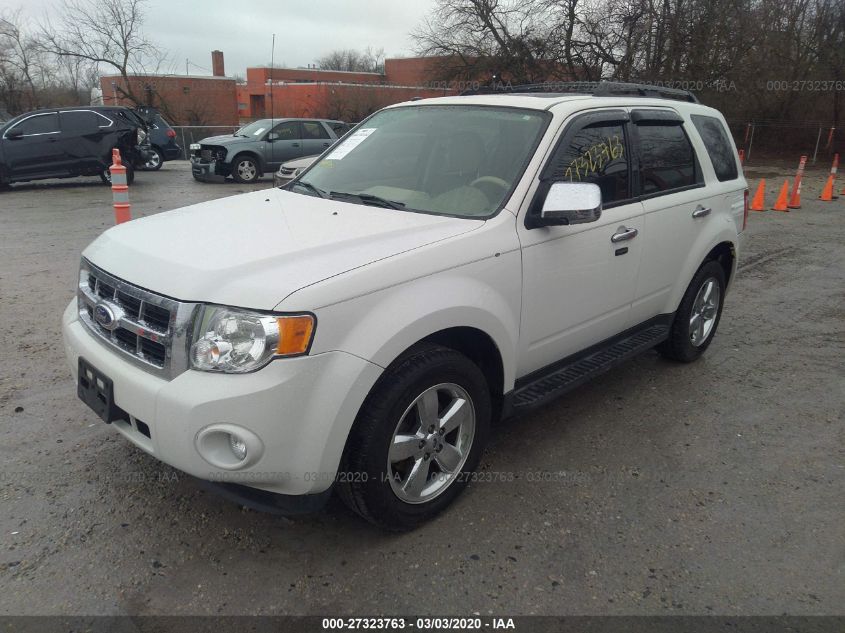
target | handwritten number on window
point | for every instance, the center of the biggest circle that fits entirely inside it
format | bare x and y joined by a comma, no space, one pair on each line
593,160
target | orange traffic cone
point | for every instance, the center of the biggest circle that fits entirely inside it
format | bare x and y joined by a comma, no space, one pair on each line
795,198
827,192
758,203
780,205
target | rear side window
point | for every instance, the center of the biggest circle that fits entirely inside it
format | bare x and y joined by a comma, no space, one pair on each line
313,130
39,124
340,128
82,121
596,154
718,146
667,160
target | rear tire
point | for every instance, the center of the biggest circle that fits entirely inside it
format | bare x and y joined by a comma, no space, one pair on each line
698,315
105,175
155,162
399,469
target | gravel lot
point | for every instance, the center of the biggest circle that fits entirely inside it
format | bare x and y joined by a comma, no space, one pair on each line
711,488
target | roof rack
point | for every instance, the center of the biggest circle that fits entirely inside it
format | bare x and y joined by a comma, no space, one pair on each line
592,88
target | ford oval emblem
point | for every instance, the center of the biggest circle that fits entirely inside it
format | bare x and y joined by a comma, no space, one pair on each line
105,315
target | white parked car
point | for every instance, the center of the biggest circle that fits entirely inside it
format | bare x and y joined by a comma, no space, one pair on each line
451,262
291,169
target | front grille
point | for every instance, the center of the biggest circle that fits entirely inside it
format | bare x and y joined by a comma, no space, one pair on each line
209,153
150,328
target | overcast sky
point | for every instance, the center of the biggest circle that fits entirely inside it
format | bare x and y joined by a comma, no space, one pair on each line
243,29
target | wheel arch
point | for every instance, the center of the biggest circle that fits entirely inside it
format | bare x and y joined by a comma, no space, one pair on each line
721,247
725,254
252,154
480,348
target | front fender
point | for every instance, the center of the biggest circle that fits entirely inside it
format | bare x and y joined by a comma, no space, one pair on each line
379,326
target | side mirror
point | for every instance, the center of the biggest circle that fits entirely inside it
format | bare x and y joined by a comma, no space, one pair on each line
570,203
14,134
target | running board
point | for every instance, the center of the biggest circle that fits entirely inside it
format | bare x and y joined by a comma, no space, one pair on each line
546,384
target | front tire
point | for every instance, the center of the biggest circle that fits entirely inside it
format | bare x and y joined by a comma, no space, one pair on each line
698,315
418,437
245,170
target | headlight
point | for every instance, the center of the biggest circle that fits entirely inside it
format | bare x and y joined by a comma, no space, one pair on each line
142,136
235,341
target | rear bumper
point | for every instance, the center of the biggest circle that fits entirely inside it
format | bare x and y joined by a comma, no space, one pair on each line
171,152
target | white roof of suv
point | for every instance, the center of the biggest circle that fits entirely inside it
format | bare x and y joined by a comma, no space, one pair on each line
556,102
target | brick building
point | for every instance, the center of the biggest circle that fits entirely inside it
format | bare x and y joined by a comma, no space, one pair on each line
183,99
333,94
278,92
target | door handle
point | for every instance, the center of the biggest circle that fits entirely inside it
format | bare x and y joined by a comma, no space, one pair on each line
294,144
623,235
326,144
701,212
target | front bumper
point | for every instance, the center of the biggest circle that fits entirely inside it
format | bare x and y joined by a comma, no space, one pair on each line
280,180
208,171
300,408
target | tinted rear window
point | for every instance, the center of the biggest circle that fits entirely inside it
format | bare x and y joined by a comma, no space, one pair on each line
718,146
667,161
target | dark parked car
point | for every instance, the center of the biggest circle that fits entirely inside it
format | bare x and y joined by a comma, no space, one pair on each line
70,142
162,139
261,147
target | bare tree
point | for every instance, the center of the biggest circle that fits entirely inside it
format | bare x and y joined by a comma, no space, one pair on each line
23,68
107,34
367,61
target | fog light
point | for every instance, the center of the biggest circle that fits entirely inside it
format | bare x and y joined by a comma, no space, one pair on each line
229,446
238,446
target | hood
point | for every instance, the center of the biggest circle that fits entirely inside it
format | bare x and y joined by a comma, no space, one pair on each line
226,139
255,249
299,163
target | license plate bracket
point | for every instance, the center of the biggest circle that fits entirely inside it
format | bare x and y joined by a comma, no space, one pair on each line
96,390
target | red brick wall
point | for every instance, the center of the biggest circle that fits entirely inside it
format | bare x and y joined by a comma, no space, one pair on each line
182,100
261,75
411,71
347,102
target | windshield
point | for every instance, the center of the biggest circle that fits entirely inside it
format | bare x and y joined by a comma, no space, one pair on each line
256,128
451,160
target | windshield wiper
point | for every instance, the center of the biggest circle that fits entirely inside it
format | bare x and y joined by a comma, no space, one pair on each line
309,187
370,199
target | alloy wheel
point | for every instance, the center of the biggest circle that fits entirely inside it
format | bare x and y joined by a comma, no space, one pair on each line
431,443
705,309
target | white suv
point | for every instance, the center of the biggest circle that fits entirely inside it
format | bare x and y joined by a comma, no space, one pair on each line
453,261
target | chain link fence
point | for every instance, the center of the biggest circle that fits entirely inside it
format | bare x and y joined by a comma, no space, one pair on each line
766,140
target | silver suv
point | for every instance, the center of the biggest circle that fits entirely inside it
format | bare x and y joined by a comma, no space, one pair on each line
261,146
